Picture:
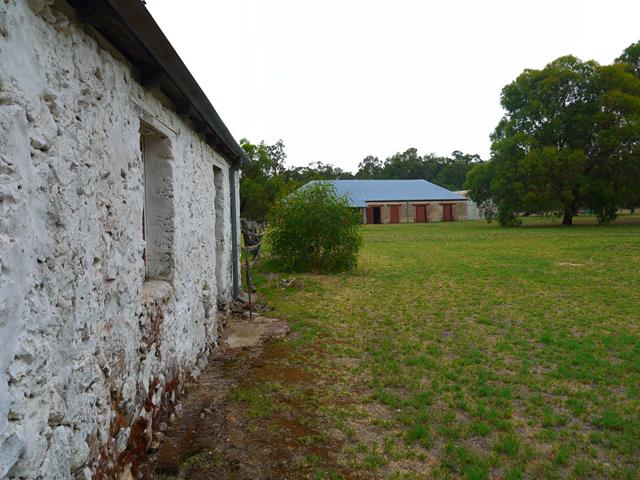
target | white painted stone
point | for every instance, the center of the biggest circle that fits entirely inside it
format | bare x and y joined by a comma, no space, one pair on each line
81,333
10,450
57,463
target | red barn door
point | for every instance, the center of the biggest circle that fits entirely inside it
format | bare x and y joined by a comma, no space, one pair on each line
447,212
370,215
394,214
421,213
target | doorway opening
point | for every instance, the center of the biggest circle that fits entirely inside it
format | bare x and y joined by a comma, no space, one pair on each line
374,214
377,215
447,212
394,213
421,213
158,210
219,234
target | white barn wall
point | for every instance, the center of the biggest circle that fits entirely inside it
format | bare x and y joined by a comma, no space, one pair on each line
87,347
473,212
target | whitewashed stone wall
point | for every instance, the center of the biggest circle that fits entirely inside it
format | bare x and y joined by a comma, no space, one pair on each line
89,351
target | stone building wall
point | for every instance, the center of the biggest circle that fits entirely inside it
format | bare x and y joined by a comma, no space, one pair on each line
460,211
408,211
434,212
90,352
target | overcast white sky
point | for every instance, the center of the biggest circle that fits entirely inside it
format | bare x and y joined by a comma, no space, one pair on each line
337,80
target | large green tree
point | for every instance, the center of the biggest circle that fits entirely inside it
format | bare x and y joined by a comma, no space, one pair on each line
478,182
631,57
265,180
453,170
268,179
569,139
370,168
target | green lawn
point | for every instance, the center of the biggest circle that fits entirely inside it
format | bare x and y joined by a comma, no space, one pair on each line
466,350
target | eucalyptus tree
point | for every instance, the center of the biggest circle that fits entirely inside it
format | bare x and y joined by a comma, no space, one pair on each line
569,139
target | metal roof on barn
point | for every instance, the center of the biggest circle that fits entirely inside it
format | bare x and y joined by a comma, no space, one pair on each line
362,191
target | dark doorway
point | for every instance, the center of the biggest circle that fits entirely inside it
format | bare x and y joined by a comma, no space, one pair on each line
421,213
447,212
377,215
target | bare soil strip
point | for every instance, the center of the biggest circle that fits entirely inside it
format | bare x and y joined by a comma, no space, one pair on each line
228,430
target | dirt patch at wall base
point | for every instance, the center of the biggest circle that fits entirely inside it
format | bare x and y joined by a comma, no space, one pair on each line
248,416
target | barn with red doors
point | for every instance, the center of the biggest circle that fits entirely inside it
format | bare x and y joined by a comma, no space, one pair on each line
402,201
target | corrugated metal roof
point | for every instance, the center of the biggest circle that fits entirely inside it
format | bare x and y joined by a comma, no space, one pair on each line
362,191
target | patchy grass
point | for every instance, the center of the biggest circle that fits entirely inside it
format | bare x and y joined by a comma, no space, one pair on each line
474,351
261,402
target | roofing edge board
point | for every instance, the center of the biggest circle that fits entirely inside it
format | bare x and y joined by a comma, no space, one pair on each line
129,27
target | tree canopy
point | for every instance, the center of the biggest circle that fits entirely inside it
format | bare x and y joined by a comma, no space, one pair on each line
265,180
448,172
569,139
631,57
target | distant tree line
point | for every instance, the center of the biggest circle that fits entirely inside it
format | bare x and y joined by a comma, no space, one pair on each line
268,178
569,140
448,172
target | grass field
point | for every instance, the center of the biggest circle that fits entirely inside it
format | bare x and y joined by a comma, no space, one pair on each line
465,350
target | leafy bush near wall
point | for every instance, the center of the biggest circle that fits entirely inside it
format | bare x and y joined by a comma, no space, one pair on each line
314,230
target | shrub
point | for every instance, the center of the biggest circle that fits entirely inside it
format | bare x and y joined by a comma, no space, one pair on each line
313,229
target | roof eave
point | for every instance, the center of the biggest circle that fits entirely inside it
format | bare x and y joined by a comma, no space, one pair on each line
129,27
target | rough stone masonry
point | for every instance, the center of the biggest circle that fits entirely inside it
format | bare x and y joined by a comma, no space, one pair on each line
115,250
